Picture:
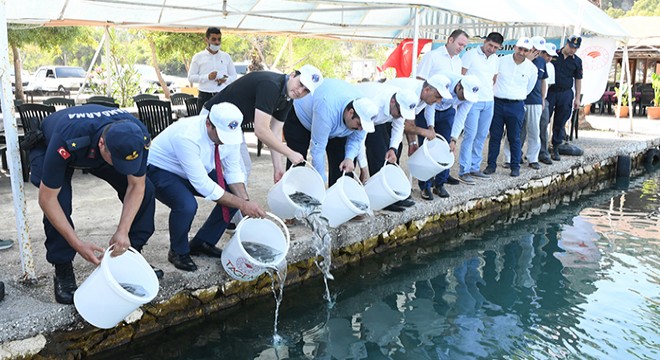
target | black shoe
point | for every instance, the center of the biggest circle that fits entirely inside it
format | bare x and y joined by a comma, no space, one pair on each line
440,191
206,249
452,180
65,283
489,170
2,290
506,165
159,273
231,227
555,154
546,161
394,207
515,172
182,262
535,165
405,202
427,194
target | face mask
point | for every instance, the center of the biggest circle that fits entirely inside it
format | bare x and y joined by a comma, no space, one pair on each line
214,47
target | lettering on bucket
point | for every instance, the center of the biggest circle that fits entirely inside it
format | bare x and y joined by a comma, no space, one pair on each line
242,269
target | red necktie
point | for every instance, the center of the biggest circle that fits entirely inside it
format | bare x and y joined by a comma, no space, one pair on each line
221,181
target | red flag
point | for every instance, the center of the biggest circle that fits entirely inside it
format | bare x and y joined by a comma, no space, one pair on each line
401,58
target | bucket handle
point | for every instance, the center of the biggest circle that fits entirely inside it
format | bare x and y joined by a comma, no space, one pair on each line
355,177
109,250
278,221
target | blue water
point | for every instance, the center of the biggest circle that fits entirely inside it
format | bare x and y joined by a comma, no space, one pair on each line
564,281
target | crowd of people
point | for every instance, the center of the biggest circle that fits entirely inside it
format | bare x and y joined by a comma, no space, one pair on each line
473,96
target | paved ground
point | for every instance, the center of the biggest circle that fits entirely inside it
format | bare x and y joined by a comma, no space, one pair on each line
30,310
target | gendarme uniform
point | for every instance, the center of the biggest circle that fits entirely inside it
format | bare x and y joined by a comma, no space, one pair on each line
71,142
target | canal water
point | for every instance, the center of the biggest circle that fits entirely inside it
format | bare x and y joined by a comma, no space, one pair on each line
572,280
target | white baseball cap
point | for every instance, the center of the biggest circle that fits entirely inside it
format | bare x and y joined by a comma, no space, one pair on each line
311,77
227,119
407,101
441,83
524,42
551,48
538,42
471,86
367,111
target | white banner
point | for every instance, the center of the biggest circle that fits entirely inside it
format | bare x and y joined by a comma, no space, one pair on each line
596,54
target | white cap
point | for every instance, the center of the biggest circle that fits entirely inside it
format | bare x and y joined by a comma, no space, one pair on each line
227,119
551,48
538,42
311,77
441,83
471,86
524,42
367,111
407,101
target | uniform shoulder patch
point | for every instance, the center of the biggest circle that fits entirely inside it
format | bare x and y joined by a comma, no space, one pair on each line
63,153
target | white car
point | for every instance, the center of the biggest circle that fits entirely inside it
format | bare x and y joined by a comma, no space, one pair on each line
149,81
53,78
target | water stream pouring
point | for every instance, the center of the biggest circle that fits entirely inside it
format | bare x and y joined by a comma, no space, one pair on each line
257,245
115,289
430,159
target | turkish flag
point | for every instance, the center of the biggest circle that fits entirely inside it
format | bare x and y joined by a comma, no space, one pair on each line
63,153
402,57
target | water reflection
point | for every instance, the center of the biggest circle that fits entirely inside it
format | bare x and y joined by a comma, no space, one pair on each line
578,281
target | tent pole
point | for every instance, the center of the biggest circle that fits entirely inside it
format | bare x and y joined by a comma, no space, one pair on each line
108,73
13,158
631,106
415,44
91,65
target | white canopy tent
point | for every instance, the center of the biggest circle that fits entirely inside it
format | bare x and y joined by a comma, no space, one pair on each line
382,21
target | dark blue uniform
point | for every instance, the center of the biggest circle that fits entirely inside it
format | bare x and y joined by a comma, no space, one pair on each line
560,95
71,142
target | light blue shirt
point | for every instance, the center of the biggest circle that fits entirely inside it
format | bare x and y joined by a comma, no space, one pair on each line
462,106
322,114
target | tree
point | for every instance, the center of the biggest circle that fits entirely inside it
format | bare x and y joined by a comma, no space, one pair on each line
645,8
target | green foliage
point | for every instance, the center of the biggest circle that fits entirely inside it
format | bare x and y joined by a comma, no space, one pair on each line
615,13
655,82
645,8
622,93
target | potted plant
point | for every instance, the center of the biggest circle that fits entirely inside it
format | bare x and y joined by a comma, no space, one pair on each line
622,94
653,112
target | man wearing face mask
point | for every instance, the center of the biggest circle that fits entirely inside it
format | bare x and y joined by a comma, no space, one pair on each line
212,69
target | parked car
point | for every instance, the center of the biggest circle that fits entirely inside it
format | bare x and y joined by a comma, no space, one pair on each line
25,78
149,83
61,79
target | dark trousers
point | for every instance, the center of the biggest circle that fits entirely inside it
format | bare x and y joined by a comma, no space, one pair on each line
58,250
511,115
561,104
543,132
178,194
298,137
203,97
444,120
377,144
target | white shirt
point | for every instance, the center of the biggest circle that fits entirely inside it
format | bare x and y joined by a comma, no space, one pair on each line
185,149
514,81
203,63
439,61
381,95
414,85
484,68
550,69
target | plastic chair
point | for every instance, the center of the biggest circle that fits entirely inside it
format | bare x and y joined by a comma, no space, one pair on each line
31,117
58,101
179,98
98,99
191,106
155,114
142,97
645,100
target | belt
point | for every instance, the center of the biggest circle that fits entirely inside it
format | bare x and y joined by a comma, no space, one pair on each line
210,93
558,88
507,100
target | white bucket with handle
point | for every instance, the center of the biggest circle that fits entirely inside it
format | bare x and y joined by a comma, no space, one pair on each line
257,245
297,179
389,185
115,289
338,206
430,159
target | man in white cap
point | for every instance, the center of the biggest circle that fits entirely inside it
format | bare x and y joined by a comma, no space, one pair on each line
200,156
516,78
464,92
549,53
334,120
533,108
265,99
395,106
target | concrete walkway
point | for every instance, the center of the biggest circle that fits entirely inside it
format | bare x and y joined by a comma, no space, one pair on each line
28,311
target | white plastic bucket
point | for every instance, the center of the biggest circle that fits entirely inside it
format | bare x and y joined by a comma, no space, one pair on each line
297,179
430,159
102,301
389,185
238,263
337,207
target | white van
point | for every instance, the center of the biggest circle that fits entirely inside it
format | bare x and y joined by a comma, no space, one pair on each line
59,79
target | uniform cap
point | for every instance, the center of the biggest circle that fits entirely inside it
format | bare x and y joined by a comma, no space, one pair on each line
538,42
524,42
441,83
367,111
574,41
407,101
227,119
471,86
311,77
126,143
